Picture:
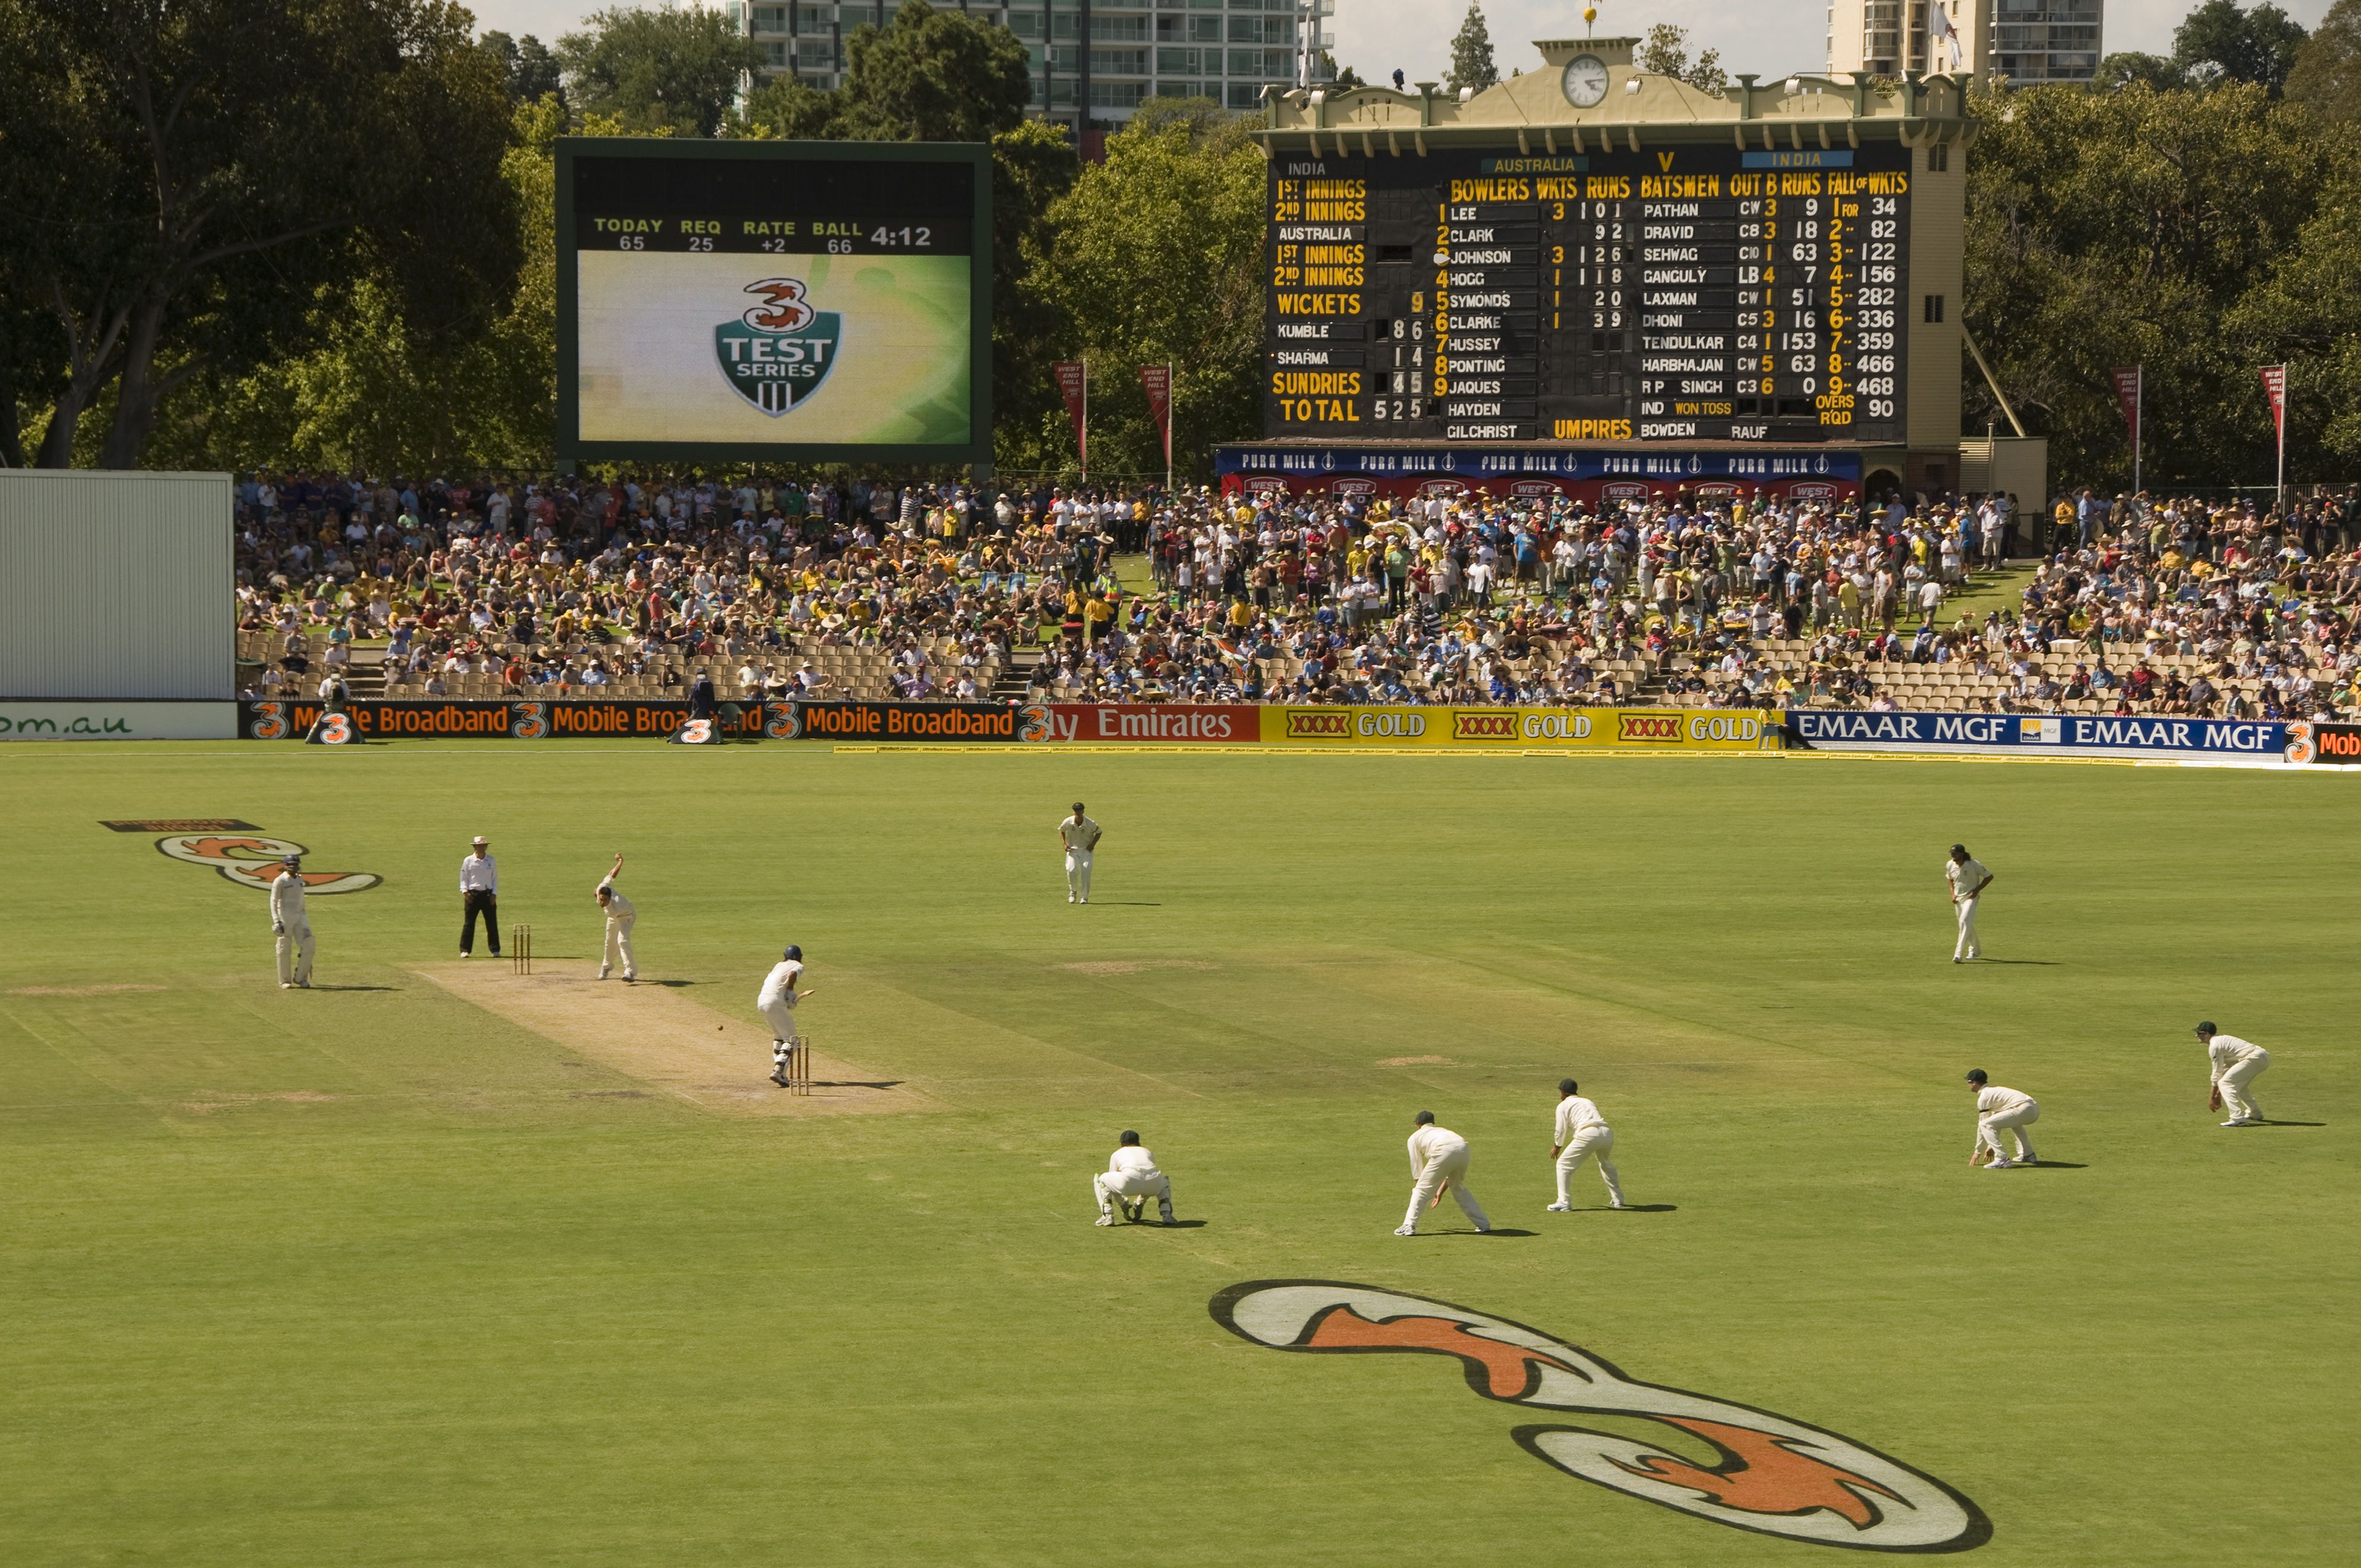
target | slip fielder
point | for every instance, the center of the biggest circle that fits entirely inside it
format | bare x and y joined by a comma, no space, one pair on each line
621,914
291,926
1582,1132
776,1003
1080,836
1130,1175
2001,1110
1967,878
1438,1160
2236,1064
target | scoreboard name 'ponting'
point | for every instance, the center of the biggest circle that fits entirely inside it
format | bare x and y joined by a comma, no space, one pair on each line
1690,293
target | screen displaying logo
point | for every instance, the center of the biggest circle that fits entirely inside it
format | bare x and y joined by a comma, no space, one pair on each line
776,354
1764,1473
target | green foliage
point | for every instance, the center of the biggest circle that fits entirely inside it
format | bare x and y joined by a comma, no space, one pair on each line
673,70
2218,42
1471,53
1158,258
184,183
2120,70
2173,229
2326,78
1665,52
526,64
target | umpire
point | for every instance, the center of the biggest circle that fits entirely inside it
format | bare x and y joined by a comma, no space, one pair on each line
479,894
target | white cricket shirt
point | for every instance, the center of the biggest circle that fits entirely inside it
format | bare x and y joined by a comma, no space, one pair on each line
1993,1097
479,873
1431,1141
779,985
1576,1114
1130,1159
1967,877
617,906
2226,1051
287,903
1078,833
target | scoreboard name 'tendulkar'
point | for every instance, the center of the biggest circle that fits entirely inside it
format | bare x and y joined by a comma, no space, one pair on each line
1681,295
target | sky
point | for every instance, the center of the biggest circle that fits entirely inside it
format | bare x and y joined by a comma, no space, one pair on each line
1769,37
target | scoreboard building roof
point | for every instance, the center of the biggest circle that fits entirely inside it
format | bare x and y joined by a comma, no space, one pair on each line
1594,257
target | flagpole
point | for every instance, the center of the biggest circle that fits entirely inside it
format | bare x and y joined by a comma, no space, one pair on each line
2139,422
1084,444
2281,504
1172,403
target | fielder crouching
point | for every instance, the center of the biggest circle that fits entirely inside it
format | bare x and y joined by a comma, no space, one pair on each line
1132,1177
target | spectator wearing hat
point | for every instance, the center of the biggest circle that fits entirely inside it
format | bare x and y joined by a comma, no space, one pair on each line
291,925
479,894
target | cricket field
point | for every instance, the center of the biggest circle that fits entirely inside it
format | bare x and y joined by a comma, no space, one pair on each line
436,1263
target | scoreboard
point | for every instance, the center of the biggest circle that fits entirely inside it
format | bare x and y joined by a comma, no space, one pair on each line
755,300
1698,293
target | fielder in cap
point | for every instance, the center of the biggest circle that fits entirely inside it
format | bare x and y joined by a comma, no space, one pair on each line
1131,1177
2001,1110
1438,1164
2236,1064
1080,836
291,925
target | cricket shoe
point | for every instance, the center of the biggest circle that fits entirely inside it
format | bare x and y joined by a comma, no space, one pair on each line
2242,1122
290,985
1618,1203
1106,1219
1165,1214
778,1077
1404,1231
2000,1165
1560,1209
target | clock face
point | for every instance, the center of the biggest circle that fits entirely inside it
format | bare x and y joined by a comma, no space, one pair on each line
1586,81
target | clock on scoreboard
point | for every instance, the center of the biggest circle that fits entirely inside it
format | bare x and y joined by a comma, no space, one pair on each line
1695,293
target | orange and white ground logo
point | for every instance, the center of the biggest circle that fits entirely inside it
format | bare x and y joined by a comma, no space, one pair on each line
1769,1474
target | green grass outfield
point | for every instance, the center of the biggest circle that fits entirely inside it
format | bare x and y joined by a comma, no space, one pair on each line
369,1277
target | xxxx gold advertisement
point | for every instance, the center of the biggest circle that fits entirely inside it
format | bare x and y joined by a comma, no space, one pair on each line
1633,729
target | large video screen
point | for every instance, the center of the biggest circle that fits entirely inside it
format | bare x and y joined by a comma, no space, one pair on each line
793,301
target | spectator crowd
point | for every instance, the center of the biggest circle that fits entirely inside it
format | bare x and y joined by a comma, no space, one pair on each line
776,588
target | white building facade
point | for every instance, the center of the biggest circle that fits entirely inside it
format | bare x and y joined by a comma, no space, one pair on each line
2026,42
1093,60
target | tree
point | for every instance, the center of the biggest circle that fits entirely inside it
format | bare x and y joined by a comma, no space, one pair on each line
2120,70
2218,42
1665,52
2147,227
1160,258
668,71
2326,79
1471,53
1341,78
184,183
526,64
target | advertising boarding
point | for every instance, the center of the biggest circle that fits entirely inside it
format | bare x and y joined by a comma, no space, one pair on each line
2151,737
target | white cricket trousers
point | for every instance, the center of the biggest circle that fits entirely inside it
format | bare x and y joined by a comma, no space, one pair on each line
1598,1141
1449,1164
1112,1184
780,1018
618,948
1989,1128
1078,875
2234,1098
295,955
1966,948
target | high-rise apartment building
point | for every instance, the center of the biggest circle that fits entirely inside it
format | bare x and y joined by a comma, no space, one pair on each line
2024,41
1110,55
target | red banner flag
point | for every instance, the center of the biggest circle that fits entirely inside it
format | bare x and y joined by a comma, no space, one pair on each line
2275,388
1074,381
2128,393
1157,380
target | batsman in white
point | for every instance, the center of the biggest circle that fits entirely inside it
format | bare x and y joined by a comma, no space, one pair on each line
776,1003
2236,1064
2001,1110
1438,1160
1131,1176
1080,835
1967,878
291,926
620,913
1582,1132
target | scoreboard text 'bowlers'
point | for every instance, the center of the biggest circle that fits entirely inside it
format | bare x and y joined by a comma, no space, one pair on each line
1695,293
781,300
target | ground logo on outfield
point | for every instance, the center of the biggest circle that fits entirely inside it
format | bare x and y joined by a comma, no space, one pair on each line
1769,1473
249,858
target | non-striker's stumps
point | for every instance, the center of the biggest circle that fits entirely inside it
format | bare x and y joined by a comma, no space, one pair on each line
520,948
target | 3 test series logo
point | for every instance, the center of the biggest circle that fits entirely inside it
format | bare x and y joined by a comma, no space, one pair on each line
777,354
1766,1474
240,853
